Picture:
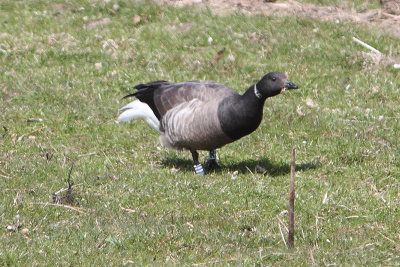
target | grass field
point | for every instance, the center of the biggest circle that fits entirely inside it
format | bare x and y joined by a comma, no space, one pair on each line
64,67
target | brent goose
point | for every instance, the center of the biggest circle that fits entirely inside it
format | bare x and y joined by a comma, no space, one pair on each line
202,115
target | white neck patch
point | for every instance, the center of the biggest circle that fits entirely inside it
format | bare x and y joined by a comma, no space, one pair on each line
256,92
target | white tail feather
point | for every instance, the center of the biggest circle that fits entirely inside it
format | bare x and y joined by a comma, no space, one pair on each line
139,110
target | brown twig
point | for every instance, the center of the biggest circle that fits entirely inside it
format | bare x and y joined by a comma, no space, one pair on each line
291,201
128,210
27,134
68,197
4,172
5,131
218,57
395,17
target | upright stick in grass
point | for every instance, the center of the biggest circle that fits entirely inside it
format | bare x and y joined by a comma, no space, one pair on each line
291,201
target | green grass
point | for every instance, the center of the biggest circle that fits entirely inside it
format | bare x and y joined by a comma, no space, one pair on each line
137,207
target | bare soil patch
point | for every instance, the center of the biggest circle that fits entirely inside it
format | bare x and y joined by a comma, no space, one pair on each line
385,18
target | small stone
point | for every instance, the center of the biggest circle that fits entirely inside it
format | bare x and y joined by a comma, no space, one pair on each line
191,226
25,231
283,212
98,65
210,40
234,175
136,19
116,7
14,227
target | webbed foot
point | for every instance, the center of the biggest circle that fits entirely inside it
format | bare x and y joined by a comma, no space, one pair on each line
212,165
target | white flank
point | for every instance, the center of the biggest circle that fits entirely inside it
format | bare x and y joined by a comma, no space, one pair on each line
139,110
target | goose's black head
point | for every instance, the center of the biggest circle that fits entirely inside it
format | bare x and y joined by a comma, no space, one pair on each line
273,84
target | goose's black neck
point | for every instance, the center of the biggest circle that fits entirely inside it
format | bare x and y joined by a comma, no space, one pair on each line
253,94
240,115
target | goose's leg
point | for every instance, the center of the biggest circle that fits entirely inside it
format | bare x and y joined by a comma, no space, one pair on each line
211,164
197,166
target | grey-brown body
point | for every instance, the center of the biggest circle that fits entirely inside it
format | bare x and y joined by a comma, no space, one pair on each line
201,129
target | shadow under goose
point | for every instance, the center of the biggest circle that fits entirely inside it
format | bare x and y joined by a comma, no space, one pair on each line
263,166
